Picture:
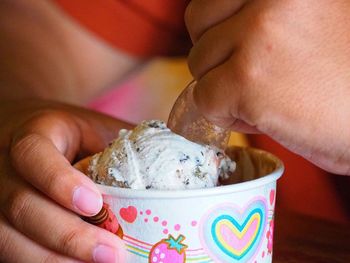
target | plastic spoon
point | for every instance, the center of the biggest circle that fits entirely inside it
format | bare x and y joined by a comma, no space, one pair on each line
185,120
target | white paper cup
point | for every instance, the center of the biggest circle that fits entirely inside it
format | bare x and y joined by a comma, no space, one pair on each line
230,223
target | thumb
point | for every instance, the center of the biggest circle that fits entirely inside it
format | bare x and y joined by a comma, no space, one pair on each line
45,145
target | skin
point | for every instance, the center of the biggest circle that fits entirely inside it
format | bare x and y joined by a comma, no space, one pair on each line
279,68
239,59
38,216
42,69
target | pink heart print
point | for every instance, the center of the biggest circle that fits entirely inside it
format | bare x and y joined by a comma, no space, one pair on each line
129,214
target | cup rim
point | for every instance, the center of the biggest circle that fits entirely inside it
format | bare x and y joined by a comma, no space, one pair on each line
127,193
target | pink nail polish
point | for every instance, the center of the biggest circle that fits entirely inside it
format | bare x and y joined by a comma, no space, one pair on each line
105,254
86,200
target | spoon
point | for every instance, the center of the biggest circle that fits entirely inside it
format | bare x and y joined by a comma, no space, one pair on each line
186,120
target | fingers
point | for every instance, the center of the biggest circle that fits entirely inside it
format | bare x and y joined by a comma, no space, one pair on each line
214,47
38,160
225,73
42,149
214,102
21,249
203,14
56,228
221,97
41,152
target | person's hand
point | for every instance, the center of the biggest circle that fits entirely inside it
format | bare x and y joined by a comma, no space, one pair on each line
280,67
41,193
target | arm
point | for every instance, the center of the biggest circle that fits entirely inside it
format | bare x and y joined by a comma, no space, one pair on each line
46,55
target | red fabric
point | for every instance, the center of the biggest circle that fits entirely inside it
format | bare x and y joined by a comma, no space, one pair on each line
142,28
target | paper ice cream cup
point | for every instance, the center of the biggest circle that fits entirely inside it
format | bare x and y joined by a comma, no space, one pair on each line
229,223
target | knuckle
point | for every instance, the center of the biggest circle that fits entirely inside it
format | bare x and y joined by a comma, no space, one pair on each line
71,240
249,71
78,240
249,75
51,258
261,23
5,242
53,178
24,146
19,204
56,115
47,114
41,120
23,150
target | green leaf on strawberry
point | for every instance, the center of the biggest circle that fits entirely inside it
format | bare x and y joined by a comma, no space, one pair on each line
176,243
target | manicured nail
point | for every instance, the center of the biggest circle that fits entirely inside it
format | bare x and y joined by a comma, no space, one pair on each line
87,201
105,254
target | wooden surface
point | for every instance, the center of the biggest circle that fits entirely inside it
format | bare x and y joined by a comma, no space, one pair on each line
300,238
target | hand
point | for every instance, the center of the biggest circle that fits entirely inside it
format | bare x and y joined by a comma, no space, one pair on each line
41,193
276,67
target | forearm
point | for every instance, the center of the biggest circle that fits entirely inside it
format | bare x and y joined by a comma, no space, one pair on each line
45,55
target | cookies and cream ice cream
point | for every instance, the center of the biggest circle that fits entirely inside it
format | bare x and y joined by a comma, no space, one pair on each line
151,156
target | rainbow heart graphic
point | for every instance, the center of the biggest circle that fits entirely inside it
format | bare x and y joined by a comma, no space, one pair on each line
230,234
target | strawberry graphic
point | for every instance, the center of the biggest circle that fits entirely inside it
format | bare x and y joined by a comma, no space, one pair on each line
168,250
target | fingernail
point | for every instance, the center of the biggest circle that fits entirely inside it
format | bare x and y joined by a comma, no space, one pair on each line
105,254
87,201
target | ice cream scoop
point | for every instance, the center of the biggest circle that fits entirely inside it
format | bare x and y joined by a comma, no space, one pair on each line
151,156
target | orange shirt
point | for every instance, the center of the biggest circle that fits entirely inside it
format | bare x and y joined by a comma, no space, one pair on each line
142,28
156,27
